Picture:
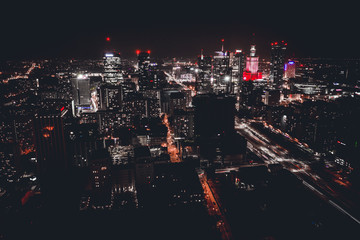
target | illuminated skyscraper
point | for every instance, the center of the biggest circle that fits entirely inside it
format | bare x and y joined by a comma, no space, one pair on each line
204,77
147,71
143,59
111,97
238,67
81,90
112,68
277,61
290,69
252,66
222,72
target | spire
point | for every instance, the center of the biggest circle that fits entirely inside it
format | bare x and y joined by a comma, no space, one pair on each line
252,51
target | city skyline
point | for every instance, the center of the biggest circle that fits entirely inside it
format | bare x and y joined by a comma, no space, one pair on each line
185,120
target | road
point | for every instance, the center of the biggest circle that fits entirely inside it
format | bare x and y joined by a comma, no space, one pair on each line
272,152
26,75
170,143
172,78
214,207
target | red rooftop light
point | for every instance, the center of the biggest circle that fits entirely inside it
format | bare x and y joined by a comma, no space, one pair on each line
108,39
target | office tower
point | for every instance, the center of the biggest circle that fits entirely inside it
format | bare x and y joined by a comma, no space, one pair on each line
81,140
145,80
53,166
214,115
81,90
204,78
153,102
238,65
111,97
183,123
277,61
177,101
252,66
143,59
50,144
289,69
100,164
128,87
222,72
112,68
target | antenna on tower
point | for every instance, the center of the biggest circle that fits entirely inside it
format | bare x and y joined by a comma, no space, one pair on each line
222,45
202,54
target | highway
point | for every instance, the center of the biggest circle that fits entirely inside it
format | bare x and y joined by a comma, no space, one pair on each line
272,152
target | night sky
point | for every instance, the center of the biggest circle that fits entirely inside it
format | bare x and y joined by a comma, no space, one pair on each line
176,28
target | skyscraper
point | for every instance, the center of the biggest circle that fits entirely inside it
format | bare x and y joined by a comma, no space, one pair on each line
204,77
144,69
222,72
277,61
111,96
81,90
52,161
214,115
238,65
112,67
252,66
290,69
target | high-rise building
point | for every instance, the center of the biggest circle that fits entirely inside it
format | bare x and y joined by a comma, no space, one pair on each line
177,101
111,97
145,80
100,180
277,61
290,69
81,90
50,145
112,67
239,66
214,115
222,72
249,96
183,123
252,66
204,78
81,140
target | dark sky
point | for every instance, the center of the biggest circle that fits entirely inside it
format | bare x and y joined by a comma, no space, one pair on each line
176,28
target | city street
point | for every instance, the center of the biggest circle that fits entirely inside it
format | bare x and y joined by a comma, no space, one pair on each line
214,207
